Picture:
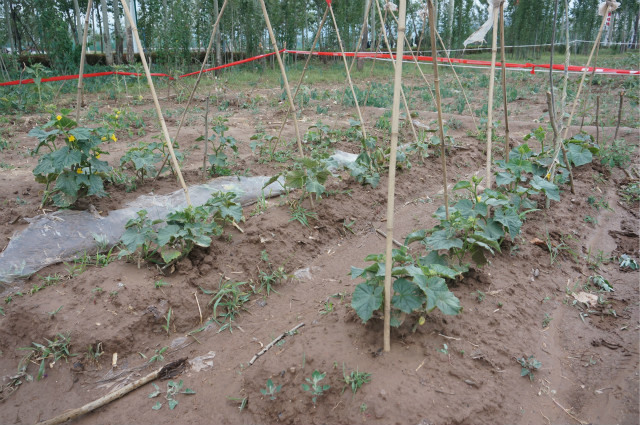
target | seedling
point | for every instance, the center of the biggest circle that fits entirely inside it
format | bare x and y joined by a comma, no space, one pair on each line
271,390
444,349
93,354
243,402
627,262
314,386
160,283
57,349
53,313
173,389
301,214
547,319
327,308
601,283
168,318
528,366
363,408
158,356
355,379
480,296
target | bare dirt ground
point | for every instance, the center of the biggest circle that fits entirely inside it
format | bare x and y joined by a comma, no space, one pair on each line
452,369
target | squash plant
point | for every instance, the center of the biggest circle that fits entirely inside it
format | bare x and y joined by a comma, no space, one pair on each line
72,168
166,241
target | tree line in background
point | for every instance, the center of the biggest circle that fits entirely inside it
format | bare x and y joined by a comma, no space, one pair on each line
174,29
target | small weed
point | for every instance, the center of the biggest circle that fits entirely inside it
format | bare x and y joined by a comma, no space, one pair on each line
630,192
327,308
479,295
547,319
166,327
529,366
627,262
617,154
158,356
590,220
314,386
269,279
444,349
94,354
242,401
53,313
160,283
363,408
57,349
355,379
173,389
599,204
271,390
301,214
601,283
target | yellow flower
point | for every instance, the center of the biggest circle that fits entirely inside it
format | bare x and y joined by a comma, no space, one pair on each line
117,116
59,117
114,138
72,139
478,198
98,156
104,138
548,176
79,171
421,320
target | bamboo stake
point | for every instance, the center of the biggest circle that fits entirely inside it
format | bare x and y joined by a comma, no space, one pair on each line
373,62
284,76
114,395
304,70
395,117
492,74
552,167
551,94
206,138
195,86
504,84
615,136
394,62
597,119
346,68
82,59
436,81
163,124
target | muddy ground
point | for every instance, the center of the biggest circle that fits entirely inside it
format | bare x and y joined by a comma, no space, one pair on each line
451,369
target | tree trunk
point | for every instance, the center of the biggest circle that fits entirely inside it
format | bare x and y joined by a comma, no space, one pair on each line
76,9
365,35
218,47
129,37
450,23
117,30
106,38
7,20
14,20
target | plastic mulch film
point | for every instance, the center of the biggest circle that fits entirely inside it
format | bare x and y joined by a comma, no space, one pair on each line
64,235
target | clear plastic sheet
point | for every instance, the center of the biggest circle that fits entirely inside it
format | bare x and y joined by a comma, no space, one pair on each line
65,235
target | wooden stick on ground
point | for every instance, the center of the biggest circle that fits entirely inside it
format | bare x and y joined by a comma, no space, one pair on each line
346,67
304,70
492,74
82,59
272,343
504,84
206,139
163,124
434,54
195,86
597,119
395,117
284,76
166,370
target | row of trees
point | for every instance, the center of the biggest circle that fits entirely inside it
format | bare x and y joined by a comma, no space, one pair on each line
173,29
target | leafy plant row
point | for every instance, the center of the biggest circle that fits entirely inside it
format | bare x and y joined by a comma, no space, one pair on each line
477,224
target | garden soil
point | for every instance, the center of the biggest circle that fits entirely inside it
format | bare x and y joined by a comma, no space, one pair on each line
450,370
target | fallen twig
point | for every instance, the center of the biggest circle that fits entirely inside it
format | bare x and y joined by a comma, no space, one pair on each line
381,233
168,370
568,413
272,343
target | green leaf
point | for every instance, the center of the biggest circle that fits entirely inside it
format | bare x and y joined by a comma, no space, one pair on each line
406,298
510,220
45,166
578,154
132,238
438,295
96,186
295,179
66,182
166,234
442,271
415,237
65,158
504,178
170,254
81,133
462,185
433,258
172,403
356,272
366,299
313,186
443,239
157,406
188,391
485,242
550,189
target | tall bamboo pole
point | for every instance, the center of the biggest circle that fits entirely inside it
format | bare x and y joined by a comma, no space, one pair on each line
304,70
492,74
395,117
163,124
436,83
504,84
284,75
195,86
346,67
82,59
